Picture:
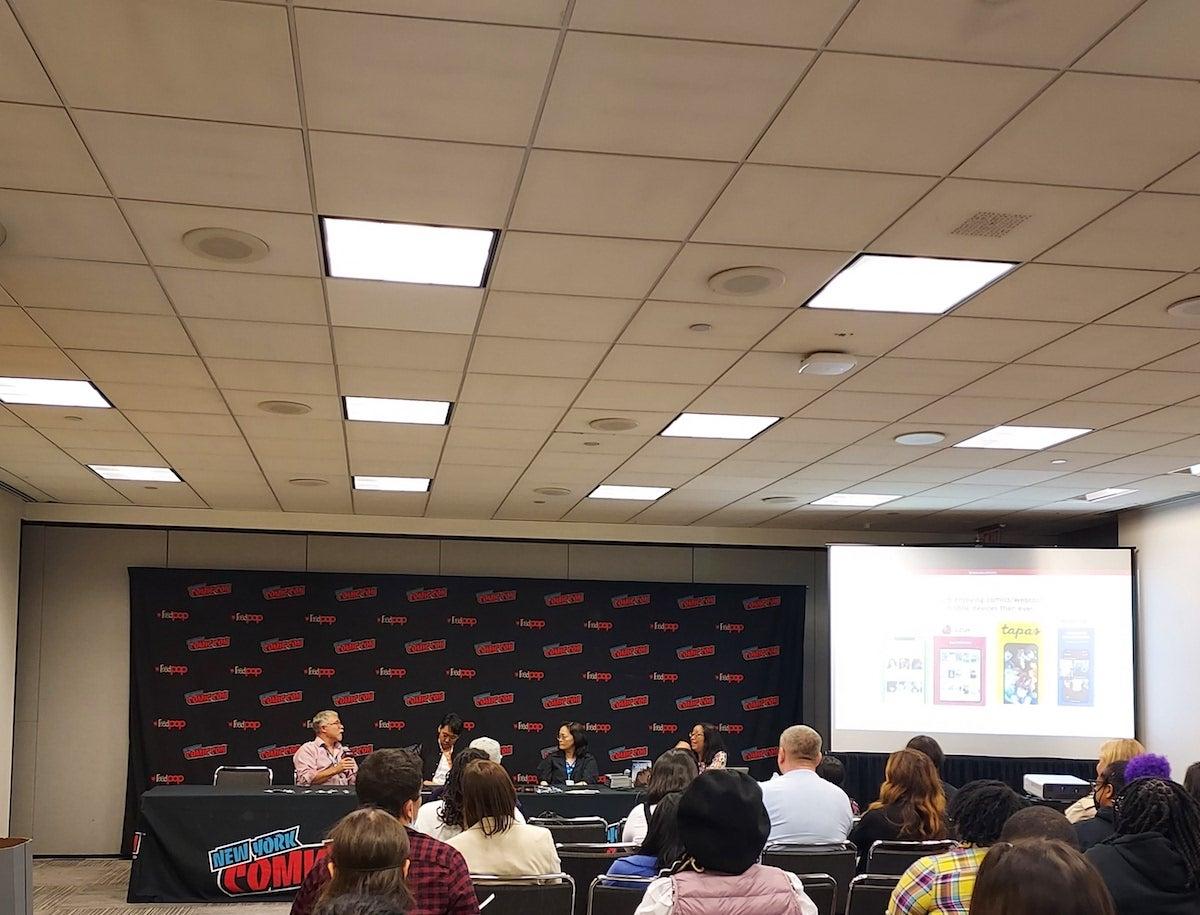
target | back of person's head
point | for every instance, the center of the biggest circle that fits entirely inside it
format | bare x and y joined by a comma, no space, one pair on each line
368,849
452,810
488,797
1039,822
662,839
1039,877
980,809
1113,778
1162,806
388,779
930,748
1191,781
832,770
722,821
913,792
489,745
361,904
673,771
1147,765
800,743
1121,749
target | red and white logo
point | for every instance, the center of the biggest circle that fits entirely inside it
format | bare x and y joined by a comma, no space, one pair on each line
731,627
461,673
534,675
277,697
172,670
200,751
730,678
731,728
423,646
484,649
430,698
597,727
389,725
160,778
664,728
556,701
239,724
762,603
465,621
759,753
619,703
558,650
177,616
620,652
392,672
389,619
623,601
664,626
531,624
422,594
207,590
690,652
597,676
533,727
239,670
206,696
271,751
170,724
754,703
321,619
345,594
281,592
247,617
560,599
346,646
687,703
201,643
757,654
620,754
487,700
598,625
319,671
495,597
692,602
270,646
353,698
662,676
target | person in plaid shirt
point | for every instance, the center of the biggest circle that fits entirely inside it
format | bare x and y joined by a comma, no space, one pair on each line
437,874
942,884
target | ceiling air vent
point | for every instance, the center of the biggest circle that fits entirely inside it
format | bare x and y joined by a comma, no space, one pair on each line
990,224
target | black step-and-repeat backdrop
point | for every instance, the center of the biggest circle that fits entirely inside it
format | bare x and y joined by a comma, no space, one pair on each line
227,667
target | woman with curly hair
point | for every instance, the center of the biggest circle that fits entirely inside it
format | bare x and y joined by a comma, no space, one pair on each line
911,805
443,818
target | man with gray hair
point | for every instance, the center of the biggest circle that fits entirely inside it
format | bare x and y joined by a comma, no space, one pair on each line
323,760
803,807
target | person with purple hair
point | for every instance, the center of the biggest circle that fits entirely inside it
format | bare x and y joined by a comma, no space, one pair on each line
1147,765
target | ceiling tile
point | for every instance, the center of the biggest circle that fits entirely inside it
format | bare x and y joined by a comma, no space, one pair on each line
160,228
628,362
483,439
916,376
513,12
115,332
223,61
506,416
1187,360
513,356
1047,383
1151,309
149,422
720,326
63,225
833,431
592,442
479,83
1093,415
721,398
625,196
164,398
1049,292
280,377
422,384
40,150
22,78
989,339
396,504
772,22
400,349
18,329
1145,387
1153,231
182,161
404,306
1168,419
686,280
245,296
498,457
454,184
298,429
1183,180
576,265
260,340
809,330
42,282
652,96
246,403
37,362
988,410
894,114
517,389
142,368
1047,214
44,417
808,208
1122,442
1158,39
648,422
334,499
779,370
638,395
1113,347
1048,35
864,405
555,317
88,438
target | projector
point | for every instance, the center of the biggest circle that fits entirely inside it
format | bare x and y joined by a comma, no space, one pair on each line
1057,787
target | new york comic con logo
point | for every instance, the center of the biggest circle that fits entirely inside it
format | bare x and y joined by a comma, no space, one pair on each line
272,863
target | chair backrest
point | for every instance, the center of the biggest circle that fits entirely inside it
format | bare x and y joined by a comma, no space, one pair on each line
870,894
576,829
242,777
837,859
521,895
585,861
822,889
891,857
606,899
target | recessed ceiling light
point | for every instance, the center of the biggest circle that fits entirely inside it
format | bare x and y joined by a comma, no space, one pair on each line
311,482
1022,438
1060,461
718,425
920,438
1185,308
392,410
1101,494
284,407
552,491
913,285
229,245
780,499
125,472
51,392
392,484
854,500
613,424
632,493
826,364
700,328
398,252
746,281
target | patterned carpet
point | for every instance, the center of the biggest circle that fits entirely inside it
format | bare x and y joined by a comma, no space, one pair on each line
96,886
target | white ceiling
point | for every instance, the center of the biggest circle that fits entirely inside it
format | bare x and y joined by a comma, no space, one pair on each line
627,149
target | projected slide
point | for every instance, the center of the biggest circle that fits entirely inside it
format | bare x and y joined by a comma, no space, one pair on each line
998,652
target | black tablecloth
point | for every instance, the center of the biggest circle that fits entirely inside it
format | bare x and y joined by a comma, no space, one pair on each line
196,843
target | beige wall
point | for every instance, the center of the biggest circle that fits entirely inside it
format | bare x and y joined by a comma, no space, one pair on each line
10,561
72,702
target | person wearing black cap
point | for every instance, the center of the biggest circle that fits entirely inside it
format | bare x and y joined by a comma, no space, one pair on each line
724,827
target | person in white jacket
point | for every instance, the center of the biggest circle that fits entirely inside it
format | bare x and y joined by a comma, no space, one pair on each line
673,771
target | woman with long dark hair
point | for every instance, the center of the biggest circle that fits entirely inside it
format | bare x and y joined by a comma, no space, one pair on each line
368,854
708,745
911,804
443,818
660,848
571,762
673,771
1038,877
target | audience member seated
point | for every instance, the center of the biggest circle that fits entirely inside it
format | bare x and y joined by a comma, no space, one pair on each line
1100,827
802,806
1111,751
368,854
437,874
571,762
436,757
911,805
1039,822
493,842
1147,765
833,770
1039,877
1151,864
724,827
933,750
1191,780
660,848
361,904
942,884
708,745
443,818
673,771
490,746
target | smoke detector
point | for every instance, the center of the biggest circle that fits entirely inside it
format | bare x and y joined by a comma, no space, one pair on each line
920,438
1185,308
613,424
284,407
827,364
227,245
746,281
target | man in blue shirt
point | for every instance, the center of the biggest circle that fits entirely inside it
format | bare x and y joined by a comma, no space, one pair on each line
803,807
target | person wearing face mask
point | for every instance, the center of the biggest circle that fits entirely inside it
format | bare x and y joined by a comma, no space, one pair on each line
571,763
436,760
1102,825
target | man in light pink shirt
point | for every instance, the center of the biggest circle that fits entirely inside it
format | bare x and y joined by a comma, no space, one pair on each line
323,760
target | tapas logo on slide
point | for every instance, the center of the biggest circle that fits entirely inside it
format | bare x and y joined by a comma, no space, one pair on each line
693,602
554,700
321,619
754,703
495,597
275,862
562,599
172,670
487,700
483,649
687,703
624,601
271,646
206,696
762,603
755,753
620,652
557,650
203,643
277,697
353,698
274,751
619,703
531,624
620,754
414,699
389,619
422,594
346,646
282,592
757,654
207,590
690,652
345,594
394,673
247,617
177,616
424,646
239,670
201,751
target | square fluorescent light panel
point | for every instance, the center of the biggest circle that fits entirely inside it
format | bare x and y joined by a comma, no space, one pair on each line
1022,438
139,474
1101,494
632,493
391,410
51,392
718,425
854,500
912,285
397,252
392,484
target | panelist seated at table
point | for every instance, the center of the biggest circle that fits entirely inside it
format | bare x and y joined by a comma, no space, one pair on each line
571,763
323,760
437,756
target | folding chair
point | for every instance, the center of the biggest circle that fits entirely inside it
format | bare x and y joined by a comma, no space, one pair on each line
822,889
870,894
585,861
242,777
606,899
546,894
837,859
894,857
574,829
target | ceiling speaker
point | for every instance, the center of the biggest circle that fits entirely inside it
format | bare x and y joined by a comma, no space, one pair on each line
990,224
613,424
228,245
284,407
1185,308
746,281
827,364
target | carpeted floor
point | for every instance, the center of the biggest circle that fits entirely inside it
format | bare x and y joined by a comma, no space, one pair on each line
96,886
